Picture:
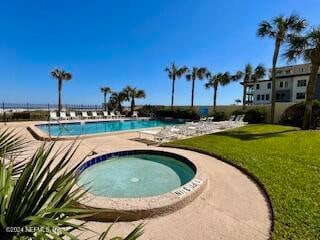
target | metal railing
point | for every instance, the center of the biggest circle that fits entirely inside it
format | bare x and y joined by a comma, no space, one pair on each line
34,111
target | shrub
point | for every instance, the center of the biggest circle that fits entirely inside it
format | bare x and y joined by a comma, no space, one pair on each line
21,115
218,116
293,115
178,113
148,110
256,115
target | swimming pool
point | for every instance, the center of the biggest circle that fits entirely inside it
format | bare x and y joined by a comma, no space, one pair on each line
84,128
135,174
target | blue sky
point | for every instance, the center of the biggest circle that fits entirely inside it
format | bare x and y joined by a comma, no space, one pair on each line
118,43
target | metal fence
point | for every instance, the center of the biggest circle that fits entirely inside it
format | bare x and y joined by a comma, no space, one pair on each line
33,111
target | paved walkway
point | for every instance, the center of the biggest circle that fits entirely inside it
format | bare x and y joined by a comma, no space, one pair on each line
230,207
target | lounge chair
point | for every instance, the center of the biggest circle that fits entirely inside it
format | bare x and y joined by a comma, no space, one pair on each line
106,114
63,116
95,115
73,115
203,119
135,114
53,116
84,115
112,115
210,119
118,114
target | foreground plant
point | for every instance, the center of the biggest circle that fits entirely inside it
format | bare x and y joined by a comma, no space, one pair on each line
38,198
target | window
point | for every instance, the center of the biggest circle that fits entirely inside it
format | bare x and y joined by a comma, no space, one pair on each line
286,83
278,96
269,85
302,83
281,84
262,97
258,86
283,96
258,97
267,97
300,95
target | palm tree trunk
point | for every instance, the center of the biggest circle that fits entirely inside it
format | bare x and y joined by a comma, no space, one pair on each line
172,92
307,119
192,93
132,106
105,101
215,89
244,95
59,94
273,78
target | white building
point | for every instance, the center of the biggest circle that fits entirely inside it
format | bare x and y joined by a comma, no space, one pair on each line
291,84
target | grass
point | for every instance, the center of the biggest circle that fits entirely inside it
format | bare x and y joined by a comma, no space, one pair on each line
287,163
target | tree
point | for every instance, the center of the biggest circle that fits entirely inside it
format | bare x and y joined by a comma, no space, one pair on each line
105,91
39,194
237,101
175,72
60,75
306,46
221,79
131,94
250,76
116,99
279,29
194,74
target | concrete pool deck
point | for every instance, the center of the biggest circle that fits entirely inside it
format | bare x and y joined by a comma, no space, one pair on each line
231,205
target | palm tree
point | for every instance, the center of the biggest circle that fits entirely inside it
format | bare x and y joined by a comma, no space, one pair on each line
175,72
307,46
116,99
105,91
279,29
39,194
251,76
193,75
237,101
221,79
131,94
60,75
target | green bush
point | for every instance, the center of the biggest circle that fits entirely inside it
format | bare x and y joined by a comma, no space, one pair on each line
178,114
148,110
218,116
293,115
21,115
256,115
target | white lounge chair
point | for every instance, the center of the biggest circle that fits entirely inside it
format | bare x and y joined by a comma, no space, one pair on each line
118,114
84,115
53,116
73,115
134,114
95,115
63,116
106,114
203,119
112,115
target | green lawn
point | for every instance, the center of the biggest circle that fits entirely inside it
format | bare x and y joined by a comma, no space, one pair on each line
287,163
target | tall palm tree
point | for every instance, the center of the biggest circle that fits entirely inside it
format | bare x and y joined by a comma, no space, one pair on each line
175,72
279,29
307,46
116,100
221,79
250,76
131,94
60,75
105,91
194,74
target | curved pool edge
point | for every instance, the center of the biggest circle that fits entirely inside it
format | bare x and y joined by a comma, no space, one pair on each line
131,209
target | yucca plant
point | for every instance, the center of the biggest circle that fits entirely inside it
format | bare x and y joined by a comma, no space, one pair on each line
38,198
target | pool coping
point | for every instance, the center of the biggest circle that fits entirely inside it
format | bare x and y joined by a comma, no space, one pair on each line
41,135
131,209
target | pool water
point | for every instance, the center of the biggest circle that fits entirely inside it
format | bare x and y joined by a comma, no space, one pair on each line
80,128
137,175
